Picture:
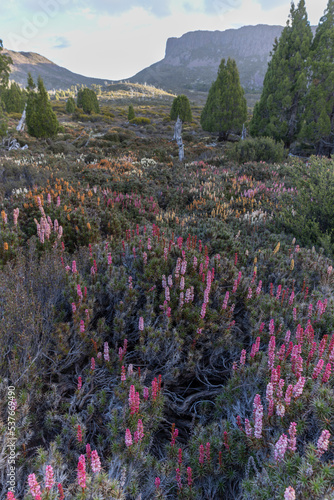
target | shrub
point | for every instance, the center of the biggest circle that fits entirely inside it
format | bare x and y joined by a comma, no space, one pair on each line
140,120
70,105
257,149
131,113
87,101
310,215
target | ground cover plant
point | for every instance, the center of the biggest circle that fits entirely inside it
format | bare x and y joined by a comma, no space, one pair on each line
166,328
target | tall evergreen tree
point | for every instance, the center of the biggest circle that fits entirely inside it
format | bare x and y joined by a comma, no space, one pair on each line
41,120
70,105
181,108
3,122
225,110
279,111
5,62
318,119
13,98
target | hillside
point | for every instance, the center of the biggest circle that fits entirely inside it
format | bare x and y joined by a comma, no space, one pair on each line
191,61
54,76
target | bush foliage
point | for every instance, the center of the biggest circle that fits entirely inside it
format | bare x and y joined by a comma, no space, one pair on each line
257,149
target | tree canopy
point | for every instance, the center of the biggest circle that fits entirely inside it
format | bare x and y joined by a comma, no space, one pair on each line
181,108
87,101
279,111
41,120
70,105
225,110
318,118
5,62
14,98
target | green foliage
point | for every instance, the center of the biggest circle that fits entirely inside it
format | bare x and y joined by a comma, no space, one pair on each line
3,122
257,149
131,113
41,120
87,101
318,118
70,105
5,62
14,98
225,110
310,215
278,113
181,108
140,120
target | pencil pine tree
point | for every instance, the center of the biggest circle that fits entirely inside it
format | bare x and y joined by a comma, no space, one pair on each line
41,120
318,118
225,110
279,111
181,107
131,113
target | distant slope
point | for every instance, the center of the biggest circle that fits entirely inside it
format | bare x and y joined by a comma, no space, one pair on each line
191,61
54,76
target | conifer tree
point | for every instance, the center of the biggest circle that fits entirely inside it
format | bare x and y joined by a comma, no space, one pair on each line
5,62
3,122
181,108
278,113
70,105
41,120
87,100
318,119
225,110
131,113
13,99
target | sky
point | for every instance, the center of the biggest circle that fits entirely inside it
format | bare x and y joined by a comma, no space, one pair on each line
114,39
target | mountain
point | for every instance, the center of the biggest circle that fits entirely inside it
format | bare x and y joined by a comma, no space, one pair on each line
54,76
191,62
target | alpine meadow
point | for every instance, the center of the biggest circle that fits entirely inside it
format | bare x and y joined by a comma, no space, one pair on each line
167,281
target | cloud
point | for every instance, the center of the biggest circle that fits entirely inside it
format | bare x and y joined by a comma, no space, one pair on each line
217,7
116,7
272,4
60,42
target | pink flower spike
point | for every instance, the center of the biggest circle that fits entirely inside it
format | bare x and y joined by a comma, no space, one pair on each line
49,481
292,442
61,491
327,373
157,482
79,434
128,438
289,494
95,462
323,442
81,472
280,448
35,488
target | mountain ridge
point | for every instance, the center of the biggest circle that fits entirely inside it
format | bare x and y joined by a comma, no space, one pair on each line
192,60
190,64
54,76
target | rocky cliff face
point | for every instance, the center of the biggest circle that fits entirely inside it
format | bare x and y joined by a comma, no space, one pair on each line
191,61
